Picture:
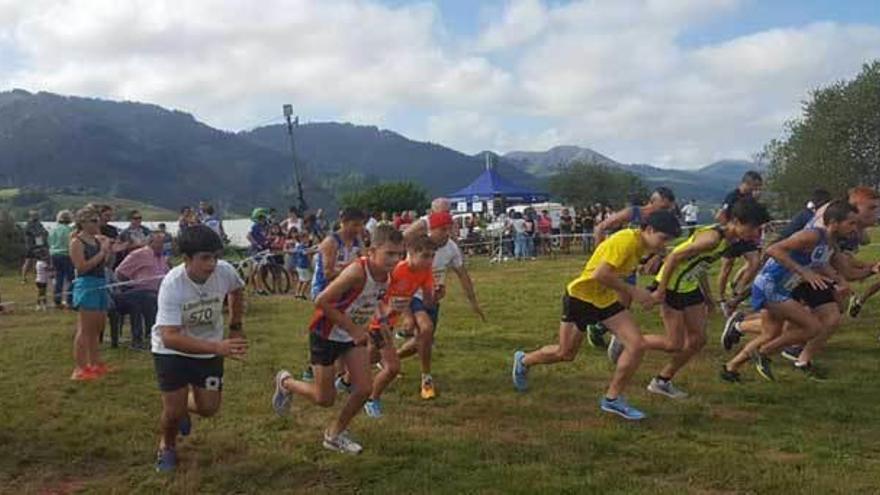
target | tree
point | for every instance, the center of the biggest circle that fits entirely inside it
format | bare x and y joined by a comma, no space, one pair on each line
582,184
835,145
11,239
390,197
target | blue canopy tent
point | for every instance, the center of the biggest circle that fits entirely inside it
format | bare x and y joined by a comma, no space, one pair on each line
490,186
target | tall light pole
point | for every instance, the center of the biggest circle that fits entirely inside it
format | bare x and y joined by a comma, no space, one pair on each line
301,200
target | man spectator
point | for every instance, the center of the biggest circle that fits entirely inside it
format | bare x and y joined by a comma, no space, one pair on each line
59,250
372,223
117,246
36,240
258,236
145,267
136,234
168,248
293,222
212,220
545,231
691,213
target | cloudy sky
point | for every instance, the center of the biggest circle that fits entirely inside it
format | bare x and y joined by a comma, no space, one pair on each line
676,83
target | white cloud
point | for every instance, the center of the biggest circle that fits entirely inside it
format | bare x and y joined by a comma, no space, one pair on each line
609,74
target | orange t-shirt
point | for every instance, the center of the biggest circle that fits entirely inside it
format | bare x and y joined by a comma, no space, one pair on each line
404,283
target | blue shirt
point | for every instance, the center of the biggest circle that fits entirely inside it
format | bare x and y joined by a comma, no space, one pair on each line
258,236
300,256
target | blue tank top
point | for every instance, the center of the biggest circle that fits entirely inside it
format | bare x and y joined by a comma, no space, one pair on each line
783,277
344,256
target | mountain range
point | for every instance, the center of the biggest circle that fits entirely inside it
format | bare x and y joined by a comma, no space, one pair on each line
168,158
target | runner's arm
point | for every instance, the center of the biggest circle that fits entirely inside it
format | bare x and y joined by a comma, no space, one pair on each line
703,242
174,338
804,240
236,311
617,219
468,285
328,251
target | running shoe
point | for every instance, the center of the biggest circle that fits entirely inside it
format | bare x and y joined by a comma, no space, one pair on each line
792,353
620,407
812,371
855,306
729,376
596,336
281,398
762,366
665,387
342,443
341,386
731,335
166,460
373,408
615,349
84,374
428,391
520,372
185,425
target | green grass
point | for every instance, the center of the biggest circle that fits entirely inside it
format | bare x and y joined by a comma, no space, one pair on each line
479,436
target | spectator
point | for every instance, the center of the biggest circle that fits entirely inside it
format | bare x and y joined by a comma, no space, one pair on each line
293,222
145,267
302,252
258,236
36,240
588,223
320,223
90,252
43,274
117,247
529,225
520,247
59,250
136,234
545,229
372,223
168,243
691,213
187,218
212,220
566,227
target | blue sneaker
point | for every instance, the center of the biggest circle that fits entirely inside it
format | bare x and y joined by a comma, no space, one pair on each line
620,407
281,398
341,386
308,375
166,460
185,425
373,408
520,372
792,353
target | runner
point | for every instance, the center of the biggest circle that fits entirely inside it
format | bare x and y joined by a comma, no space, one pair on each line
409,276
338,250
447,257
339,331
749,187
662,199
187,339
802,258
600,294
683,289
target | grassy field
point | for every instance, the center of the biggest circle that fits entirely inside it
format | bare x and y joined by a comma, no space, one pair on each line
478,436
58,202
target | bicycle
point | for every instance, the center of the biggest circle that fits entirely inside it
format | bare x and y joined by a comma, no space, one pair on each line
274,277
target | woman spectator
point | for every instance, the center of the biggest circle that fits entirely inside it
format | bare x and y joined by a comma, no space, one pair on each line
545,230
90,252
519,236
59,249
566,227
529,226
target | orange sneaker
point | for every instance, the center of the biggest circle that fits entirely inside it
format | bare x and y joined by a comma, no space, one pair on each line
102,368
84,374
428,391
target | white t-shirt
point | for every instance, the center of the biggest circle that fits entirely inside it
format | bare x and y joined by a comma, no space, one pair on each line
197,308
519,225
691,212
371,225
42,269
449,255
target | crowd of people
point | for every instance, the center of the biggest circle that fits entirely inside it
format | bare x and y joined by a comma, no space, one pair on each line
374,278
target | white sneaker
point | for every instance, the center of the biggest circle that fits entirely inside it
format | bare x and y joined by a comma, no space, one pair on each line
666,388
342,443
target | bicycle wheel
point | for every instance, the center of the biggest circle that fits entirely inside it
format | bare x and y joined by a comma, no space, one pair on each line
275,279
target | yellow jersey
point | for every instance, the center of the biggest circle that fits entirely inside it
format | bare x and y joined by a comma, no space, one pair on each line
622,251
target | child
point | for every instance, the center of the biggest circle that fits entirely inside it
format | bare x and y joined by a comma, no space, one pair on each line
600,295
188,343
301,261
409,276
44,273
339,332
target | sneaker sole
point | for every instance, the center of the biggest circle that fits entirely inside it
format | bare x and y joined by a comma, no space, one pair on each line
513,376
334,448
728,325
664,393
278,391
789,357
766,376
624,416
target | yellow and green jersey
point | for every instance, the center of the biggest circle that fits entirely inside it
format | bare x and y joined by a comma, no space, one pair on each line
686,277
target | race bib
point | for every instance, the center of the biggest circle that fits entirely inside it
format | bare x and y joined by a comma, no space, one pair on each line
362,315
202,316
698,271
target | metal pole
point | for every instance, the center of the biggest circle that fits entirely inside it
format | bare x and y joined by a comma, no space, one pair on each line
301,200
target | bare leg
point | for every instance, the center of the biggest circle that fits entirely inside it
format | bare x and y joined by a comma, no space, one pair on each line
829,316
673,340
695,339
771,327
390,368
357,361
173,410
626,329
570,339
804,326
